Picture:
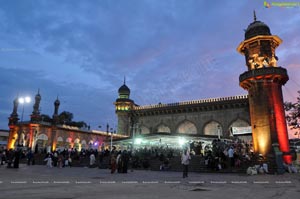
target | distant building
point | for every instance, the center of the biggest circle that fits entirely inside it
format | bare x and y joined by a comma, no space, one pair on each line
3,137
40,135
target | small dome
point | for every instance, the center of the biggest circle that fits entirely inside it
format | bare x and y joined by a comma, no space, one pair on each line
257,28
124,90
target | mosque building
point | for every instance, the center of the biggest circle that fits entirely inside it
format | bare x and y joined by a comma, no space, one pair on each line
261,111
38,134
258,116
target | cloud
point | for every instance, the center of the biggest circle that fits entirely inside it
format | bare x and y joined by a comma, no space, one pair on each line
168,50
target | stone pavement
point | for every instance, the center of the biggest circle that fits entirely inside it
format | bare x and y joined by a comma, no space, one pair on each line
72,183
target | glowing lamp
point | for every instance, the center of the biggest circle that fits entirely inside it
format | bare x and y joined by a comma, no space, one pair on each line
138,141
181,141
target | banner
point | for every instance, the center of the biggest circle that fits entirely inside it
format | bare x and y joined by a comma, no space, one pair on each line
241,130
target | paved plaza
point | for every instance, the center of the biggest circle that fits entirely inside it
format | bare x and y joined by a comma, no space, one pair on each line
70,183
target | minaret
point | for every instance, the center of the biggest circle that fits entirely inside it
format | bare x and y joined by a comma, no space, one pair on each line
123,107
13,119
12,123
55,114
264,80
35,116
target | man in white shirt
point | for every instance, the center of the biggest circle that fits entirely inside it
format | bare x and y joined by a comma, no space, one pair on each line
185,161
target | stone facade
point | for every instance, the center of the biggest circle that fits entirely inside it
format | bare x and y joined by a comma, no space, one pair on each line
207,117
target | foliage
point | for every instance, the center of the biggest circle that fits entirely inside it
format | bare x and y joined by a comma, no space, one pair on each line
293,113
65,117
80,124
46,118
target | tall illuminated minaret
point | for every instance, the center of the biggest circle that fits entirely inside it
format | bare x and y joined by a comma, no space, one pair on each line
123,107
264,80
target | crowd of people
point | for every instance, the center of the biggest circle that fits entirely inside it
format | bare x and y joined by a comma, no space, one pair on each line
228,154
218,155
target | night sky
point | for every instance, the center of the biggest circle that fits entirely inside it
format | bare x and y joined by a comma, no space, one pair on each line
169,51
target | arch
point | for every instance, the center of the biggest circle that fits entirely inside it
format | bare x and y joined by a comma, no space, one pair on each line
77,141
83,144
60,144
144,130
42,137
77,144
237,123
90,145
42,140
186,127
213,128
60,139
162,128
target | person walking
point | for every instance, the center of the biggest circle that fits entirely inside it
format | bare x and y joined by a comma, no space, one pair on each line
231,156
92,160
185,161
29,157
113,163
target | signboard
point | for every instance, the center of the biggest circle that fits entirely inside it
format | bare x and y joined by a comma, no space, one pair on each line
241,130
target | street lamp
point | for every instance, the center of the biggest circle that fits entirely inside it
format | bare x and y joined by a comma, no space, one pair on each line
111,138
134,128
23,100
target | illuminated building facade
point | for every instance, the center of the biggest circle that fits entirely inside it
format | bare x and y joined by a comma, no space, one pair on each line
38,134
207,117
264,80
215,117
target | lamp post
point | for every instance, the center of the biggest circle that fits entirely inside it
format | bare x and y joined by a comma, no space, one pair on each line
111,138
134,128
23,100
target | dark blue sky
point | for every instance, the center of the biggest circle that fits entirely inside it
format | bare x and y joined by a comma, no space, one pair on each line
169,51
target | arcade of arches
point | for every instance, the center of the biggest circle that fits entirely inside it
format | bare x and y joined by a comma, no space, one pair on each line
48,137
211,128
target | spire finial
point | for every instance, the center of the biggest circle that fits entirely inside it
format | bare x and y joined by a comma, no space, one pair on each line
254,15
124,80
38,90
57,97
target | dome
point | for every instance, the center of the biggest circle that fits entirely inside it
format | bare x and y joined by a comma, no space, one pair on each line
256,28
124,90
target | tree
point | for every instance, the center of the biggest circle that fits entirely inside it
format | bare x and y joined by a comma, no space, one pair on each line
65,117
80,124
46,118
293,114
